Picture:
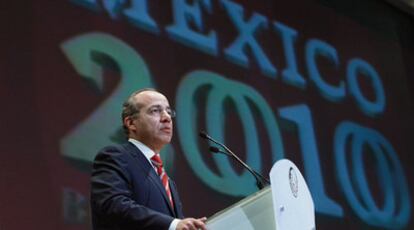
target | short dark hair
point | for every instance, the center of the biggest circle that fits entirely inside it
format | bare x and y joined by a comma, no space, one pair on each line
130,108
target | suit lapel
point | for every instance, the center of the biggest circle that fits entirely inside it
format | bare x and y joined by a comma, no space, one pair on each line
176,200
152,175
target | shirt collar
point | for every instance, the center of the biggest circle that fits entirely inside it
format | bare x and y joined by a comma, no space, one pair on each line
148,153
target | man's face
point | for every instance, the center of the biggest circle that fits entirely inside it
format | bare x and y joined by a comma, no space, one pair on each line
153,124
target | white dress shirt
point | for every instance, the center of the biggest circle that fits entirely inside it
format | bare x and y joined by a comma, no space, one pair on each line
148,153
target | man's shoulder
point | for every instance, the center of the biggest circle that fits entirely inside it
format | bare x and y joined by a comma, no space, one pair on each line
116,150
125,155
117,147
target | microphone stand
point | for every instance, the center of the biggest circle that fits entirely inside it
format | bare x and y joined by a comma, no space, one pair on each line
261,181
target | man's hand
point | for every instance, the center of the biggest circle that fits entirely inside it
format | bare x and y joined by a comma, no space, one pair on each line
192,224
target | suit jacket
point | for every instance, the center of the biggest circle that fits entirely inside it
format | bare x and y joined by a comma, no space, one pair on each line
127,193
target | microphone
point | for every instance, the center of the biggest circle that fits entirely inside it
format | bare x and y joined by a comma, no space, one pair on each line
260,180
214,149
204,135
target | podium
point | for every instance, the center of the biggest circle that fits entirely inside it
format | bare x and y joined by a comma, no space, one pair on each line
285,205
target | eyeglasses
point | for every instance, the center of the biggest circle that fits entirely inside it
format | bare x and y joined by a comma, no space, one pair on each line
157,111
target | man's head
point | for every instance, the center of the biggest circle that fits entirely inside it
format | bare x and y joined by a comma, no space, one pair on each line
147,117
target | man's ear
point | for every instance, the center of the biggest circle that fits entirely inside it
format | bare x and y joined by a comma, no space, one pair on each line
129,123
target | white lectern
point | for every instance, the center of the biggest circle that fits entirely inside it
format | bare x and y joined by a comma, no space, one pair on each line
286,205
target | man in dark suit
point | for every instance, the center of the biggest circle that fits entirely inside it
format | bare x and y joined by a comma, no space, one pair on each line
129,187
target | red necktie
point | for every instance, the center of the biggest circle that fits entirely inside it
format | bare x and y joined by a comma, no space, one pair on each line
156,160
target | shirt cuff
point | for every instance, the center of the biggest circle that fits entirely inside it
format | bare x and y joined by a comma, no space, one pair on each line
174,224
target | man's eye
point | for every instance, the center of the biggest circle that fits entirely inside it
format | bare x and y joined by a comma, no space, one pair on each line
154,111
